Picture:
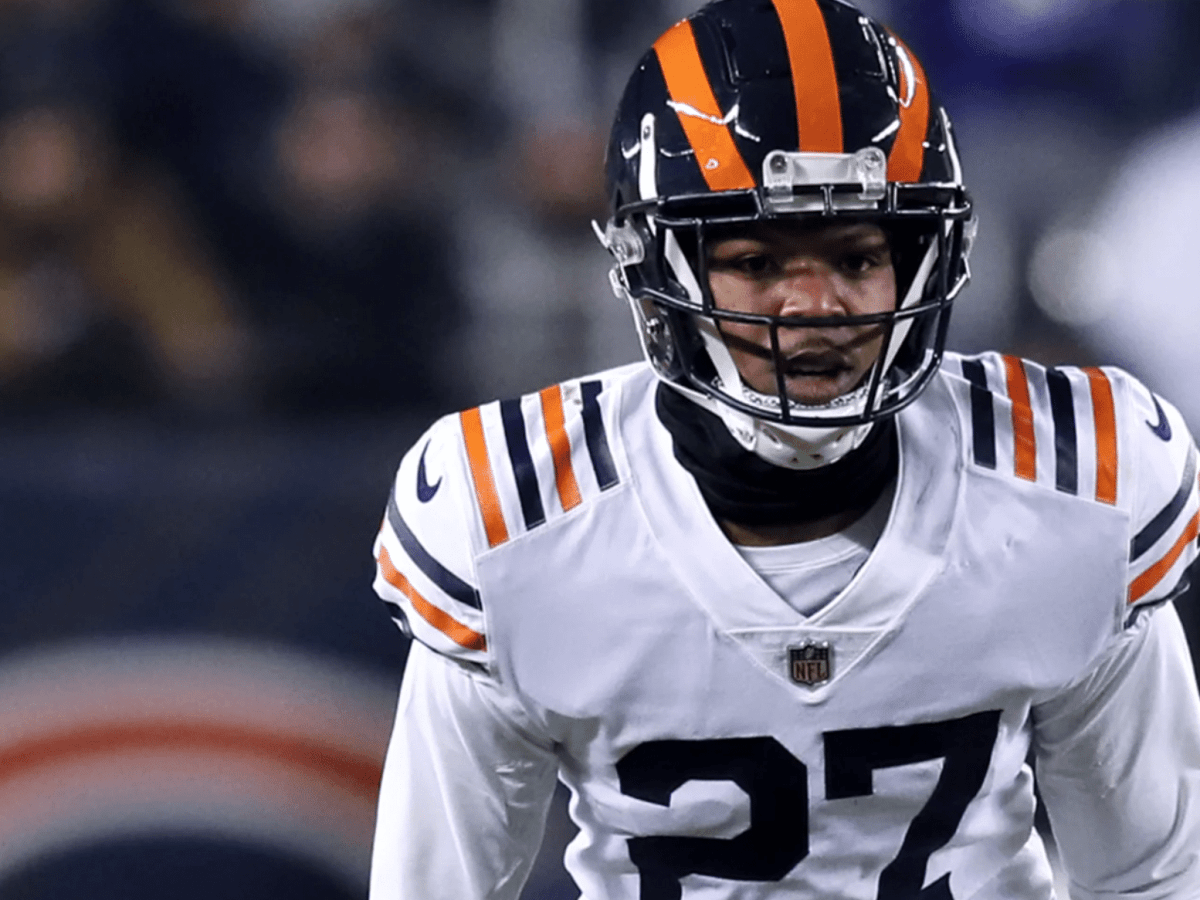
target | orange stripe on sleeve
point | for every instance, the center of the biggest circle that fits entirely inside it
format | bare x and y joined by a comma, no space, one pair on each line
481,475
560,447
1144,583
1024,441
447,625
814,78
907,158
1106,436
696,106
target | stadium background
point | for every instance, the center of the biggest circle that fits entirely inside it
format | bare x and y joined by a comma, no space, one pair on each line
249,248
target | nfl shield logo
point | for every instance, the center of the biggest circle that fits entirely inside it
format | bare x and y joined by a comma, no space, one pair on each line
811,663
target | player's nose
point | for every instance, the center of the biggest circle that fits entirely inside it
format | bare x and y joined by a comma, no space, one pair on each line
808,289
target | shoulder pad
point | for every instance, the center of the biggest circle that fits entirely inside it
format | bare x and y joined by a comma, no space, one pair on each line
475,481
1055,427
1099,434
536,458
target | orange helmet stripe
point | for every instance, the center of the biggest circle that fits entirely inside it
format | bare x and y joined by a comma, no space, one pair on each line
560,447
907,158
696,106
1024,441
814,78
1106,436
481,475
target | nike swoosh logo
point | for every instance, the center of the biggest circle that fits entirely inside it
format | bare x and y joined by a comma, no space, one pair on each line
425,490
1161,429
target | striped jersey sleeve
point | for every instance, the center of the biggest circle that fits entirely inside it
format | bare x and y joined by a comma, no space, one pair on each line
424,556
1166,502
1051,426
474,482
1098,434
536,458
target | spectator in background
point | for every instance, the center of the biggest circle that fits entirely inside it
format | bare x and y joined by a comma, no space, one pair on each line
107,297
360,263
271,191
311,178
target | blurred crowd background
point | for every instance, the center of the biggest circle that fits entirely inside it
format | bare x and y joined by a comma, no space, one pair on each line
249,248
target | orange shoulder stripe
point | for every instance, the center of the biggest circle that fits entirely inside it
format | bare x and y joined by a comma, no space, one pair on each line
814,78
481,475
560,447
1144,583
1106,435
1024,440
702,119
443,622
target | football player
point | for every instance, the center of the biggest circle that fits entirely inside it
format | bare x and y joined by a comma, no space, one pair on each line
797,606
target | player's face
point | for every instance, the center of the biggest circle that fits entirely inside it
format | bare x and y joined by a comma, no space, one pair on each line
797,272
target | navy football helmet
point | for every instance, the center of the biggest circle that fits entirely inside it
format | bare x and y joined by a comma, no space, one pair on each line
769,110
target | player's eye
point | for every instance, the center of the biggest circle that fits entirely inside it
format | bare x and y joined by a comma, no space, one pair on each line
862,262
756,265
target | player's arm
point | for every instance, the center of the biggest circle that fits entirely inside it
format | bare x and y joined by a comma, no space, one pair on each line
468,777
1118,752
1118,765
465,790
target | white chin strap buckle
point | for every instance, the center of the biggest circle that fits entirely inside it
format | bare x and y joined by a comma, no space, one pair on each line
791,446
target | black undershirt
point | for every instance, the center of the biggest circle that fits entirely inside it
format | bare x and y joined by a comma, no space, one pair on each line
740,487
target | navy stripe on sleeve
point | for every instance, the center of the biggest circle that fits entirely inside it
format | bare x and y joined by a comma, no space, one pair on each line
446,580
1167,516
517,440
983,415
1062,408
597,439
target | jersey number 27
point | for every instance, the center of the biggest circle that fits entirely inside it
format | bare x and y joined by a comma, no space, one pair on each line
777,784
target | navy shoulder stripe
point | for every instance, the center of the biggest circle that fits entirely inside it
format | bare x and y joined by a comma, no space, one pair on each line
1166,517
596,436
517,440
983,415
1066,452
446,580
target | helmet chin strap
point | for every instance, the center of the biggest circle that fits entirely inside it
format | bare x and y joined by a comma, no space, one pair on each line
787,446
791,446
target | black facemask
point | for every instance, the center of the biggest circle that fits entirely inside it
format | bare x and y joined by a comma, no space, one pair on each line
743,488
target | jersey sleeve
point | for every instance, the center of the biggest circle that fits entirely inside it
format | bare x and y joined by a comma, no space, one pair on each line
1117,751
1164,505
1117,757
425,550
466,787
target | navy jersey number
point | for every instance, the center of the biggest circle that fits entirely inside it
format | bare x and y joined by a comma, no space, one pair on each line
774,780
966,746
777,785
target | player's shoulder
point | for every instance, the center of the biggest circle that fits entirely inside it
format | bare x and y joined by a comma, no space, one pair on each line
425,571
1095,433
538,458
477,481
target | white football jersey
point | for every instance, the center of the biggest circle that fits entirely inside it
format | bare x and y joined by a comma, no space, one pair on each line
578,613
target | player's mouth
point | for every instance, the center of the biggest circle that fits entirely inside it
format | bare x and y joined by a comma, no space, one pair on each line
826,364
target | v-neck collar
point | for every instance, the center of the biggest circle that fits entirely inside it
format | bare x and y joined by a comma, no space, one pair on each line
906,558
